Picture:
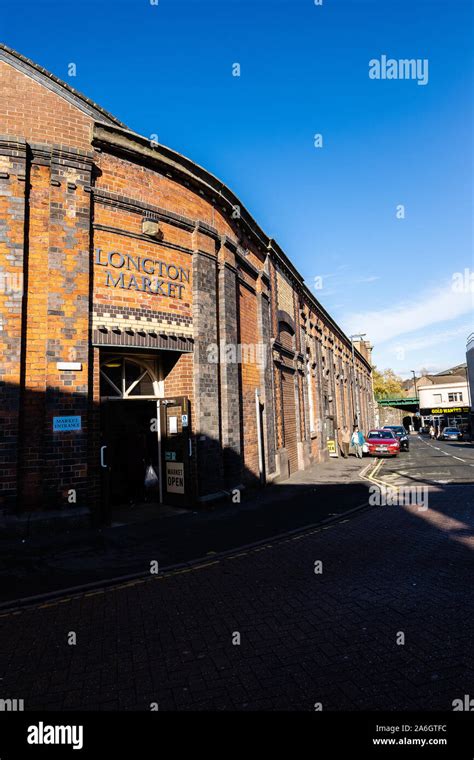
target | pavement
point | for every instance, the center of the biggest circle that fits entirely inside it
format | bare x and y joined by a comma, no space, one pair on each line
49,563
371,612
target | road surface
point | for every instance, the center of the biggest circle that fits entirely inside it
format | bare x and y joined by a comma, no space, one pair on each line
385,622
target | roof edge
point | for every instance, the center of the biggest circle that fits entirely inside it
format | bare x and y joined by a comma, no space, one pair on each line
52,82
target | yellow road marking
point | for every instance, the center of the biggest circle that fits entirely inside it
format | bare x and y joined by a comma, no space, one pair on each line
371,477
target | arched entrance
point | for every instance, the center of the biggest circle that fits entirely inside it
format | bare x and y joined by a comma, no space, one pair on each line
145,448
129,387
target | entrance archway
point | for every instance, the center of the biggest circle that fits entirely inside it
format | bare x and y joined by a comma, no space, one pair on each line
129,388
145,448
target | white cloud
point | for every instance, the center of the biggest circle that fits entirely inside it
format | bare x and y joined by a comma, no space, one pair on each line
382,325
431,339
370,278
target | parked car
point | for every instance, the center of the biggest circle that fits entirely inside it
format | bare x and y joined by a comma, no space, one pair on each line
382,442
450,434
401,434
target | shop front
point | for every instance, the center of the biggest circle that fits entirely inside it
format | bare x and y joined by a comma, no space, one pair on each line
446,416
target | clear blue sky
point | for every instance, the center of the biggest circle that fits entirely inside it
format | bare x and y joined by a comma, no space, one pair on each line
166,69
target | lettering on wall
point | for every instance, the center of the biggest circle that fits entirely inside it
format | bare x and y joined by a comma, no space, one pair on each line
142,274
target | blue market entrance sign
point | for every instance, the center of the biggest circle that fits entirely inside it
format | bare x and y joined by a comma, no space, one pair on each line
66,423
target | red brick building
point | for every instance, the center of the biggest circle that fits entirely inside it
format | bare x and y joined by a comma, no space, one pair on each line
146,319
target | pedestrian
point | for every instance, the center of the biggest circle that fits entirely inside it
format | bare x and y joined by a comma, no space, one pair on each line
357,441
432,432
345,441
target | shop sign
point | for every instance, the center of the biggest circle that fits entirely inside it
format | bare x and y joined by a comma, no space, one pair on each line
66,423
332,448
142,274
175,477
447,410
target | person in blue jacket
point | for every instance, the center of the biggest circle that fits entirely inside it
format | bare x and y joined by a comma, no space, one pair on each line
357,440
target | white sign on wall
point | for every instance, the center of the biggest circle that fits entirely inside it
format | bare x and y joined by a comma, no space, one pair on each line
175,477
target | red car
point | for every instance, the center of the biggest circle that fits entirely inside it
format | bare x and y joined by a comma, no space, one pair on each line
381,442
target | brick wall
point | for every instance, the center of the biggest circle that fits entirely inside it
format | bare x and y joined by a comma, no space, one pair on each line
250,380
388,415
285,294
12,222
32,112
53,465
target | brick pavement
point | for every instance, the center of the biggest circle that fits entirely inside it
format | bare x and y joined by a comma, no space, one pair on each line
41,564
305,637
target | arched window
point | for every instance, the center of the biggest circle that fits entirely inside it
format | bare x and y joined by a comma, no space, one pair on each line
286,336
127,378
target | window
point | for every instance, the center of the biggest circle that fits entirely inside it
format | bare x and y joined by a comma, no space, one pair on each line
127,378
454,396
384,435
438,398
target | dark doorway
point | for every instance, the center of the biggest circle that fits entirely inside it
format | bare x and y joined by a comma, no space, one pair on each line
130,434
145,457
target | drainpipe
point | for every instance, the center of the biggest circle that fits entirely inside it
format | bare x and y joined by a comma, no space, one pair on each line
261,464
160,465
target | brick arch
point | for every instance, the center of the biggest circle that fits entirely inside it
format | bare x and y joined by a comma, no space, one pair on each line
287,319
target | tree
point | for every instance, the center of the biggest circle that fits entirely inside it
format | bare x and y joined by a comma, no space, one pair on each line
387,384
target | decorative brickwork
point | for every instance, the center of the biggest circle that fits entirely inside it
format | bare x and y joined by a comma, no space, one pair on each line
266,380
229,376
206,374
12,224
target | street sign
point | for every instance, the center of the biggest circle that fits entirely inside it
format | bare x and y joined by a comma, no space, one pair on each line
66,423
175,477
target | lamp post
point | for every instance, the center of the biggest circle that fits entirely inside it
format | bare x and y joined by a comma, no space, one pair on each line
414,381
354,393
417,399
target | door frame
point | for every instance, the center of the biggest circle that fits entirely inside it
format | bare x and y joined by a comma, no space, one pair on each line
174,499
106,449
